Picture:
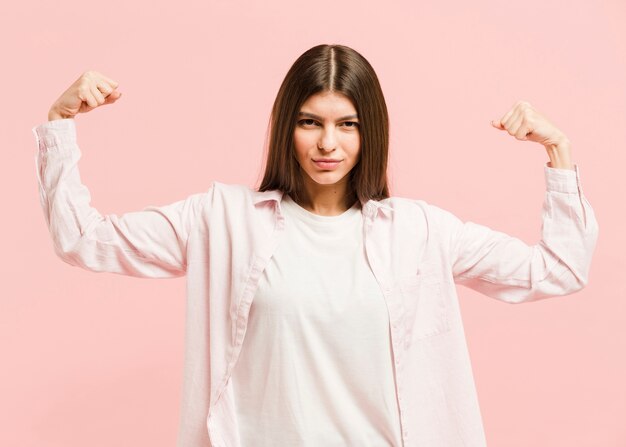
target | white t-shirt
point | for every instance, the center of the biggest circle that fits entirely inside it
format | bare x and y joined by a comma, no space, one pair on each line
315,368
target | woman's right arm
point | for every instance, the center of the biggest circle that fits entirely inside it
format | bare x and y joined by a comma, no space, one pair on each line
148,243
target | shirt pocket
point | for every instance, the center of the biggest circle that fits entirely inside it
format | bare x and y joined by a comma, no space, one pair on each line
425,312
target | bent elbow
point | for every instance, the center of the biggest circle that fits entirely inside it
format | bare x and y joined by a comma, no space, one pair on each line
566,284
66,254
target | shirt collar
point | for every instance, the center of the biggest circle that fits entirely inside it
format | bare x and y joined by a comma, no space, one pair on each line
263,196
371,207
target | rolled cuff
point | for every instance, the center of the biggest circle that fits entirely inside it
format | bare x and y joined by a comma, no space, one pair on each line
54,133
562,180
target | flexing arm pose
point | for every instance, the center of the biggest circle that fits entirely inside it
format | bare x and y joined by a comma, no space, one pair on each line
147,243
504,267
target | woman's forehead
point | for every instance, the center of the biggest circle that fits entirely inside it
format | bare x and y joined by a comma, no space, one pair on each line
328,103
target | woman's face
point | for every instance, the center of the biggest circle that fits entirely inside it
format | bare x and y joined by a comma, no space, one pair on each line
327,128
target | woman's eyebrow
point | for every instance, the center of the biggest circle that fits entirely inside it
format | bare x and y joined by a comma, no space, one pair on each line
312,115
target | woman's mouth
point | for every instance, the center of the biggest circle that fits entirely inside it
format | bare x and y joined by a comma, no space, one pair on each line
327,163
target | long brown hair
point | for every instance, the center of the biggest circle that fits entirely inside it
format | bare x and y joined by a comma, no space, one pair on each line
335,68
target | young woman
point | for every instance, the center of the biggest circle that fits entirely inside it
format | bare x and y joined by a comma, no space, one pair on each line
320,310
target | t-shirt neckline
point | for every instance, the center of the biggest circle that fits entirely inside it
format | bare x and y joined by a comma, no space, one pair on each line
317,218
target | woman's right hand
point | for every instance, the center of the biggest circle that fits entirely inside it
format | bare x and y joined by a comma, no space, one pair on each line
90,90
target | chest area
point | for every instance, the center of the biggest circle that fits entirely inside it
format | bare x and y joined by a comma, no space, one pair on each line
319,274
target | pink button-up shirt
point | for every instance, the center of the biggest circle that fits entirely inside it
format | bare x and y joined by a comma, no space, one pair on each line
223,238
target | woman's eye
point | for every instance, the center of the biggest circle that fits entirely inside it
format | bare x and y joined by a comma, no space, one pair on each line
307,122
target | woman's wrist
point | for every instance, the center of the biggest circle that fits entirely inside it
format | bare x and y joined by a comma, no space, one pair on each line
560,155
54,114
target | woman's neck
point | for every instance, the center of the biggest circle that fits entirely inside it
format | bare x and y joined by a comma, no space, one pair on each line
328,200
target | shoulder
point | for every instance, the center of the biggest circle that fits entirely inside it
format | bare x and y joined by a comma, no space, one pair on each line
431,214
232,191
411,205
239,196
228,188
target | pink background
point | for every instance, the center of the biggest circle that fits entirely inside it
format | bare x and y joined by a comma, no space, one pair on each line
96,359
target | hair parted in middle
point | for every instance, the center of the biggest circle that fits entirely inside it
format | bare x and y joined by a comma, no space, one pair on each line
339,69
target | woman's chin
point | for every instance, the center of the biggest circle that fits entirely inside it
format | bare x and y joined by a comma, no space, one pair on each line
329,178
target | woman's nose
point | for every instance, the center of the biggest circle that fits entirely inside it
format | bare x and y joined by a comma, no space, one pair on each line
328,141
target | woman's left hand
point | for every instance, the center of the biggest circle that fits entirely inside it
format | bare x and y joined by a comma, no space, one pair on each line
525,123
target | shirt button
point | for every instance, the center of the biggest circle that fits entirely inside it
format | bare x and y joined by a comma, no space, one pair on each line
397,360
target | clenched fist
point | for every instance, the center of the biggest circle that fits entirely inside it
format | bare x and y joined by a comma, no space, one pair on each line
525,123
90,90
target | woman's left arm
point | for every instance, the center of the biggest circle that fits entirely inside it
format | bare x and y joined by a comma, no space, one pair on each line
506,268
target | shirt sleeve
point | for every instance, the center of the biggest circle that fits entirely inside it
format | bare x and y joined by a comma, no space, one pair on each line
150,243
506,268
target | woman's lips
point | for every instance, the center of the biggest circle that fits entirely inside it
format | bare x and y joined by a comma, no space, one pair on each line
327,164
